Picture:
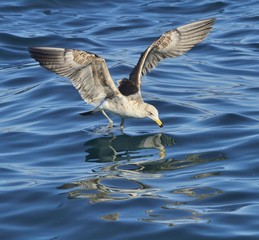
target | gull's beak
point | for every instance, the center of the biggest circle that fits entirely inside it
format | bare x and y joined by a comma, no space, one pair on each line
159,123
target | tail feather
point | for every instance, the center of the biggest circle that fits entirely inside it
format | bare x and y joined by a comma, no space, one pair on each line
87,113
92,112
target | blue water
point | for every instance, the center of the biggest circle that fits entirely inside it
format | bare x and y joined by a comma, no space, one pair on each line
64,176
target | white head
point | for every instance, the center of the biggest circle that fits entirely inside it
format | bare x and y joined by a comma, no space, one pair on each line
152,113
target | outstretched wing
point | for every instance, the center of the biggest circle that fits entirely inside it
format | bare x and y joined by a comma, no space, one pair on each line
171,44
88,72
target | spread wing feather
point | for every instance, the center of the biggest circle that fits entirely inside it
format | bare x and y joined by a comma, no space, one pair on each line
87,71
171,44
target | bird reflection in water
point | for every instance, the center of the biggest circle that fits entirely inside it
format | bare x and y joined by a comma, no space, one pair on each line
128,171
124,147
120,180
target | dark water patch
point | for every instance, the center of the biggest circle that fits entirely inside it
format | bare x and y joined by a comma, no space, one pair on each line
252,90
117,183
231,120
184,8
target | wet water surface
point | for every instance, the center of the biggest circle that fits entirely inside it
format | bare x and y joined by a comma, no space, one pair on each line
66,176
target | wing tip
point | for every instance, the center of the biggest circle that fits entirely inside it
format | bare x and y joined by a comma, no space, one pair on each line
44,49
207,21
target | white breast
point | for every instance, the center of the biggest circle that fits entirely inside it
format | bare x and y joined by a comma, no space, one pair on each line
125,107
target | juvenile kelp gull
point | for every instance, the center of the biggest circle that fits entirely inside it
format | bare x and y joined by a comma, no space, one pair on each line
90,75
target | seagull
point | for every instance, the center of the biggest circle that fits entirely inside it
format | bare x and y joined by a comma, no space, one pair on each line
89,74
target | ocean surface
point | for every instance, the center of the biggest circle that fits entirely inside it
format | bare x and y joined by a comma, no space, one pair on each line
67,176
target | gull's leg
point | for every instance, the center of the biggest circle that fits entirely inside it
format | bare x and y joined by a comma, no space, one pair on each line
122,123
110,121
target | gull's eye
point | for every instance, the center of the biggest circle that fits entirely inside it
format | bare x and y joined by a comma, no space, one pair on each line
150,113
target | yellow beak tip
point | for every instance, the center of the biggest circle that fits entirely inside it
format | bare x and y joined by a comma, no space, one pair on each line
159,123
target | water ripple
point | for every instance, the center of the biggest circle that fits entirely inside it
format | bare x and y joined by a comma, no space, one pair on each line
64,176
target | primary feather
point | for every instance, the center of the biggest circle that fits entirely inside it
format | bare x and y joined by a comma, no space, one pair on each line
171,44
